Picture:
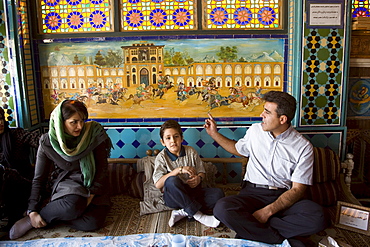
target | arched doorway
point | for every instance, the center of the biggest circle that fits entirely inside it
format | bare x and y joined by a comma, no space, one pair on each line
144,77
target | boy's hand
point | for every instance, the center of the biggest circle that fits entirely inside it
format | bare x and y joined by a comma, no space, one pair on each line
193,181
189,170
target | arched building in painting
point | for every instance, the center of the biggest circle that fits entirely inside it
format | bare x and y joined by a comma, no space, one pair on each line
249,74
144,64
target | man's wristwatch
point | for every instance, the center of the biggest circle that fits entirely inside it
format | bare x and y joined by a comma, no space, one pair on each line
30,211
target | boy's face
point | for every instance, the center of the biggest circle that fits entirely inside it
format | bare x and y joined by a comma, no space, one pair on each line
172,140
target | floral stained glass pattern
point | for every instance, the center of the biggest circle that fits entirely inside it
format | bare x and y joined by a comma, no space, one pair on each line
67,16
53,21
52,3
141,15
181,17
219,16
75,20
360,8
158,17
98,19
242,14
73,2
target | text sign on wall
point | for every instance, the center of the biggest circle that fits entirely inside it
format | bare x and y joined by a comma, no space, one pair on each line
325,15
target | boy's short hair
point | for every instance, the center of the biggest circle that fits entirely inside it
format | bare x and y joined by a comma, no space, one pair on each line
286,103
170,124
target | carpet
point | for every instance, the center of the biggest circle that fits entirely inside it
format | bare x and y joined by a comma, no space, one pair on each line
124,219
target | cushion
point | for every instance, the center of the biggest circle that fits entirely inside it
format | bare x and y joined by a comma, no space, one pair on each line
210,177
325,194
119,177
152,197
326,167
136,188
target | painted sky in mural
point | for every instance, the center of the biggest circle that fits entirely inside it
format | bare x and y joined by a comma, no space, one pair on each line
62,53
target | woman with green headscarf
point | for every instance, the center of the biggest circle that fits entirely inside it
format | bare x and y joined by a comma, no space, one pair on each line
72,159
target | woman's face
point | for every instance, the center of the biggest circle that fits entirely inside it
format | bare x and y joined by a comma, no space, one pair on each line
74,125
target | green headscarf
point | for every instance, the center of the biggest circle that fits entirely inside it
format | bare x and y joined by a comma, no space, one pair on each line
91,135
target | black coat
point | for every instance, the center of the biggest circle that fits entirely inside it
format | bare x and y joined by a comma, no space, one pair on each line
22,141
64,177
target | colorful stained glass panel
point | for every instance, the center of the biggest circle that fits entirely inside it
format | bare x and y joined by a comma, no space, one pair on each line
141,15
69,16
242,14
360,8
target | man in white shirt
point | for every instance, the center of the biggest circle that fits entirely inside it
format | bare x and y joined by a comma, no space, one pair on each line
270,207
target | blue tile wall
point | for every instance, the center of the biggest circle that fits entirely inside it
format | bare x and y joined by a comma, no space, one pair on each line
133,142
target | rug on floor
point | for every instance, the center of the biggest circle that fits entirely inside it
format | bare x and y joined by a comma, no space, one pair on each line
124,219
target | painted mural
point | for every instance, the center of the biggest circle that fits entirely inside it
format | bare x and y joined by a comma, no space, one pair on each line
359,97
163,78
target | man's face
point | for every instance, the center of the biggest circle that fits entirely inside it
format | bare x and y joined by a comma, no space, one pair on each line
270,120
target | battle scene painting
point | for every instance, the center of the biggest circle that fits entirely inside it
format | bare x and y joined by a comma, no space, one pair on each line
184,78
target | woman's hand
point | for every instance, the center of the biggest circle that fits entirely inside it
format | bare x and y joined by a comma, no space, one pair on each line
36,220
89,199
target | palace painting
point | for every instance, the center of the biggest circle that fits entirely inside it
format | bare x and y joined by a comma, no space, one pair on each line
163,78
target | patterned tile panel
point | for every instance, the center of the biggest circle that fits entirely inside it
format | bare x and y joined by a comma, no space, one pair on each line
6,88
322,77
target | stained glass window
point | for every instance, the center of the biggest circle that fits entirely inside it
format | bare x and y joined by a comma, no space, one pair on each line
242,14
140,15
68,16
360,8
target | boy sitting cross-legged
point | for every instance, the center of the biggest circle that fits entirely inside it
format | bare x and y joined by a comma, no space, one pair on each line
178,173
